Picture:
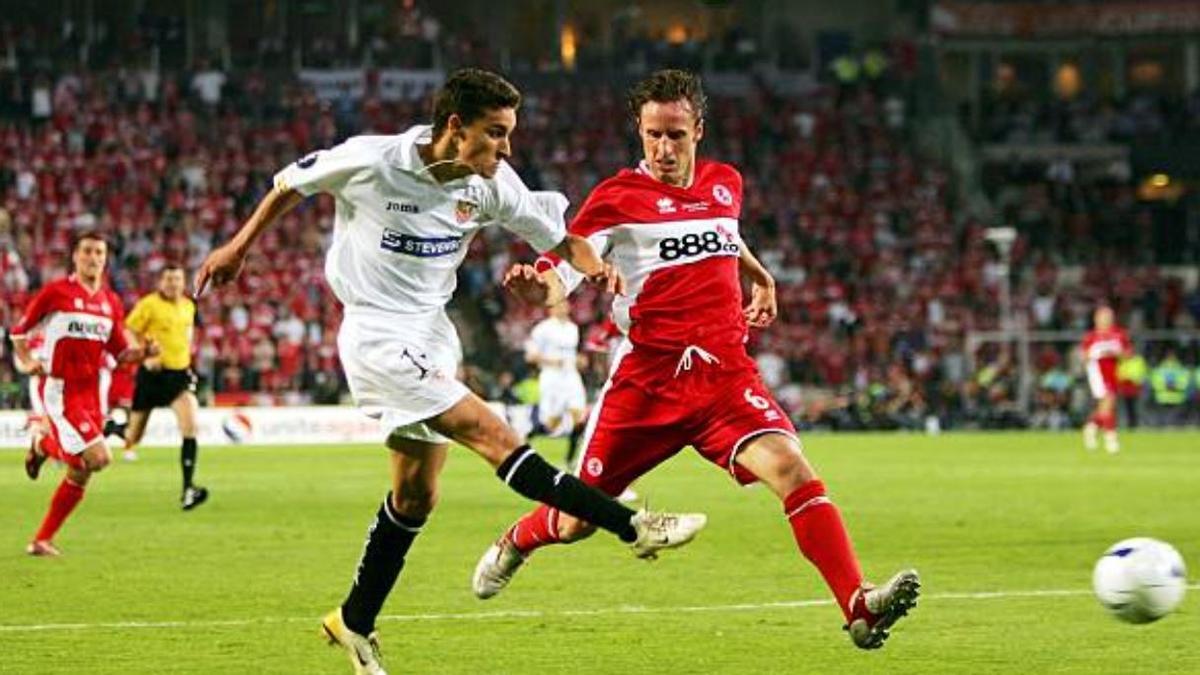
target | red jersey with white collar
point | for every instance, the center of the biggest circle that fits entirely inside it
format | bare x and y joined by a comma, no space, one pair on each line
77,326
678,249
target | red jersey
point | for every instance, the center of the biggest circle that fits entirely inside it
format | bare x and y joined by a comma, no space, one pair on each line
678,249
77,326
1106,346
1102,351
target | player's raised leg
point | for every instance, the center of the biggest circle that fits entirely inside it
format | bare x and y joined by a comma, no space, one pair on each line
473,424
415,469
777,460
630,432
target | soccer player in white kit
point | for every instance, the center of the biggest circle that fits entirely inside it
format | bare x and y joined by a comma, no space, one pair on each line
407,208
553,346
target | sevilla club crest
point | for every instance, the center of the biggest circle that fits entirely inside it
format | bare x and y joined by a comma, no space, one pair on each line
464,211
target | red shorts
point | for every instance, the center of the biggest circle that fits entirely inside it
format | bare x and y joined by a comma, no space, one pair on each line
72,408
714,408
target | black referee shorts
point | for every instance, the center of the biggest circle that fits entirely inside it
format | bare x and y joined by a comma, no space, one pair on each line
160,388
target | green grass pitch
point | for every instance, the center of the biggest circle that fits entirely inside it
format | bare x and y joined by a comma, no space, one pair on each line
1004,529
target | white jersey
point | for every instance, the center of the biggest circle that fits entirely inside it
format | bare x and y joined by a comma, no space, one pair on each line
399,235
556,340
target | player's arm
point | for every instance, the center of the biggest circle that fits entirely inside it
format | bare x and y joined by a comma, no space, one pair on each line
123,347
763,308
578,252
26,362
320,171
225,263
537,217
35,313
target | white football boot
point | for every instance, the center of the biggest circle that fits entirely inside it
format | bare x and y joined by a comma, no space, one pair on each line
658,531
496,568
873,611
363,651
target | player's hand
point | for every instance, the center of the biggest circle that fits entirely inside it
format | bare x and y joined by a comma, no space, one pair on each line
32,366
762,310
524,282
611,278
152,348
221,266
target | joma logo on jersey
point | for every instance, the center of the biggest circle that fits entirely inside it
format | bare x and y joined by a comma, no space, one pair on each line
94,329
421,247
403,207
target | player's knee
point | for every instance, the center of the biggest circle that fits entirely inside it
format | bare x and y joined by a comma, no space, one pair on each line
96,461
573,529
778,462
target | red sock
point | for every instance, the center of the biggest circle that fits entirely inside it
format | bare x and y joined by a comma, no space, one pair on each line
1106,421
65,499
535,529
822,538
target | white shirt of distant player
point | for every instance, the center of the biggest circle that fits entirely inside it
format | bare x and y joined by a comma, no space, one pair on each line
399,235
558,340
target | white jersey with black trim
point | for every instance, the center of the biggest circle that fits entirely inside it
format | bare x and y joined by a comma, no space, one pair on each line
400,235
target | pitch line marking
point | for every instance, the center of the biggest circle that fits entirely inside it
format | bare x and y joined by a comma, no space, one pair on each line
530,613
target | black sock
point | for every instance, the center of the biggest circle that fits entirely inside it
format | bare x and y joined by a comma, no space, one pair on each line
388,540
111,428
187,461
531,476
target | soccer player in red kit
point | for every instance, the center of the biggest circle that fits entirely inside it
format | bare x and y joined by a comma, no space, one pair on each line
79,317
682,375
1103,347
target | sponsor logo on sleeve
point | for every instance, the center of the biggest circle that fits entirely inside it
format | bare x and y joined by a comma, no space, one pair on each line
419,247
722,194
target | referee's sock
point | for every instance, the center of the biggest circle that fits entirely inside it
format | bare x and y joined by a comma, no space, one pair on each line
388,541
187,461
531,476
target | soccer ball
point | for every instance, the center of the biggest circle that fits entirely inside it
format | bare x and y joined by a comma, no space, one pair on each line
1140,580
237,427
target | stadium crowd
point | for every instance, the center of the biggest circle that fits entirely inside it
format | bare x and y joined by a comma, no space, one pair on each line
880,275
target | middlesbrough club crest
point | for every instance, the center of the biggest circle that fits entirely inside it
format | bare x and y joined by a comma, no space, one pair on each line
722,195
464,211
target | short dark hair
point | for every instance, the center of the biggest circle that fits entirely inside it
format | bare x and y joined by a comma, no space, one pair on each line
87,235
470,93
665,86
172,265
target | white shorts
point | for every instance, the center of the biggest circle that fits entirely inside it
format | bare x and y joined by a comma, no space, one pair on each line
560,392
402,369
